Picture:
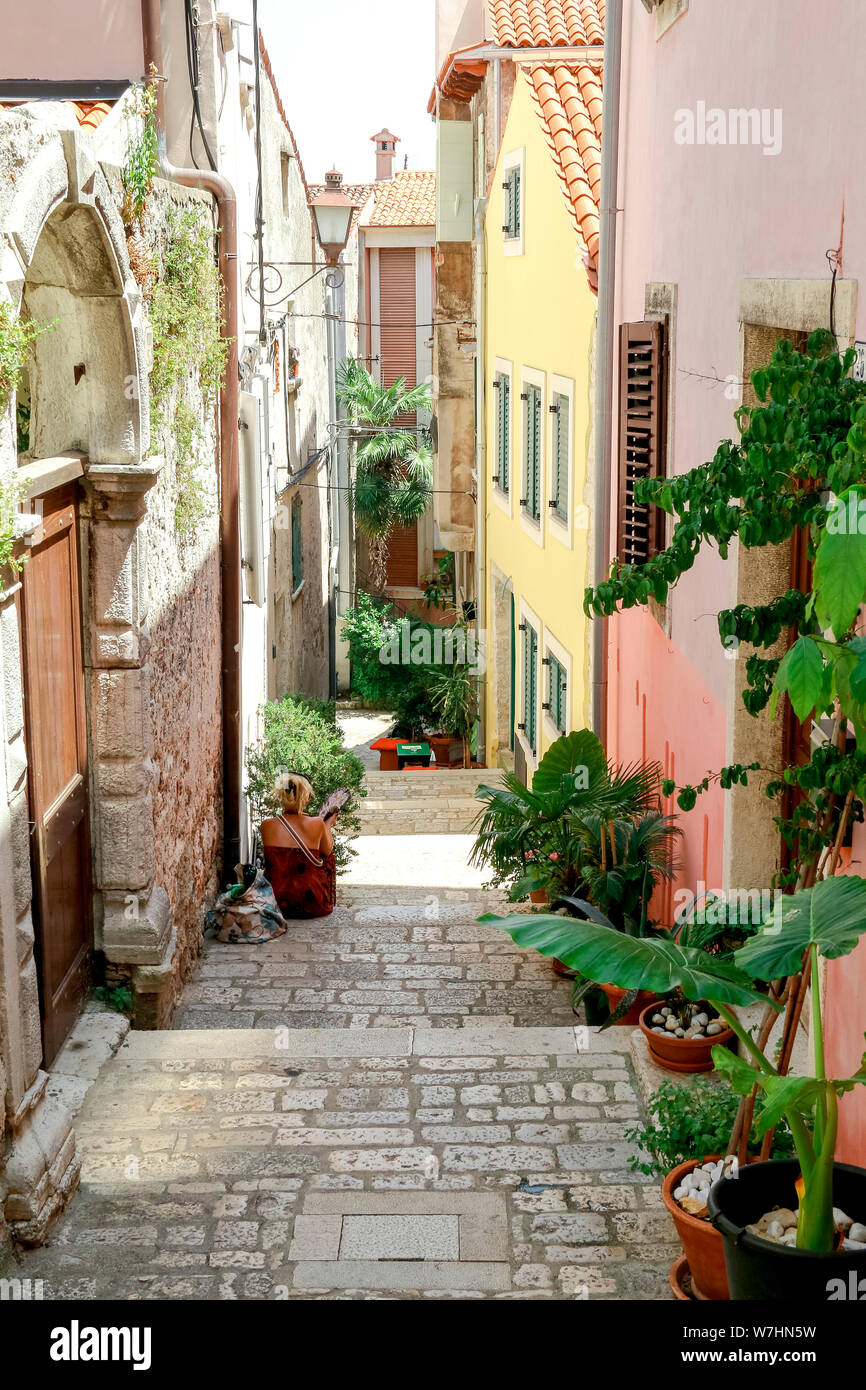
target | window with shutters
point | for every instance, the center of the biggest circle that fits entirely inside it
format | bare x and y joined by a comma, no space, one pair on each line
297,546
642,444
511,189
557,692
513,203
531,499
529,723
502,409
560,410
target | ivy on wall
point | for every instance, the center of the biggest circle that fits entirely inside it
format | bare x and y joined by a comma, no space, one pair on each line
189,354
17,336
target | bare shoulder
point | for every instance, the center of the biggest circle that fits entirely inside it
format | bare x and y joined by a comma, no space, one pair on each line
314,822
268,827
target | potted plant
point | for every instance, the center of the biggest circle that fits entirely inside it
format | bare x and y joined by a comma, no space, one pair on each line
688,1132
827,921
454,700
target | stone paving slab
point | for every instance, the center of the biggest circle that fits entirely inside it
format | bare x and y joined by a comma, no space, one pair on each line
190,1192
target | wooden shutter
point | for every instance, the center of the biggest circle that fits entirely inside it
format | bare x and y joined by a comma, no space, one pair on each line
511,186
503,411
297,545
561,427
402,567
397,316
532,451
557,692
642,384
530,685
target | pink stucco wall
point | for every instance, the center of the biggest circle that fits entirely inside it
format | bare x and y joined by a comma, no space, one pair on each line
57,39
706,217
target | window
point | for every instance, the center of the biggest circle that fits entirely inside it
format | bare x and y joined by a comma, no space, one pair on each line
530,686
557,693
511,189
642,444
297,546
513,202
284,180
561,412
531,499
502,407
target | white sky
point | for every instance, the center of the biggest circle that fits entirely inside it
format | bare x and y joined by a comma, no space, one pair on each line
345,69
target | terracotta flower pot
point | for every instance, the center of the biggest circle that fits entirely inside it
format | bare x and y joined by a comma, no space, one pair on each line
538,895
645,999
702,1244
681,1054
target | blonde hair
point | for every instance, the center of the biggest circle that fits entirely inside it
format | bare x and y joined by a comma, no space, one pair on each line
292,792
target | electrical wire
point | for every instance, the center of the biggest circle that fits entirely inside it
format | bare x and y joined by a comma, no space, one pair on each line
191,26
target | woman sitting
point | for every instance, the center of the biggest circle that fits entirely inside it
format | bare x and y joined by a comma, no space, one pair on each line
299,851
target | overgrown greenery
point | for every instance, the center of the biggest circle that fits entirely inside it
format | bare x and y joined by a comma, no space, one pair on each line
17,336
141,163
189,354
693,1122
393,461
455,692
301,735
799,465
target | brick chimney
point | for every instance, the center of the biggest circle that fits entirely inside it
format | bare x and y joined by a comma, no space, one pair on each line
386,149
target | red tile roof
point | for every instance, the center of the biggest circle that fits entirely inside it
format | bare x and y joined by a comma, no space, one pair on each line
406,200
534,23
568,100
89,114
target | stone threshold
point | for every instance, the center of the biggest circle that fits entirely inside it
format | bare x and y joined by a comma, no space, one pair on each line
469,1041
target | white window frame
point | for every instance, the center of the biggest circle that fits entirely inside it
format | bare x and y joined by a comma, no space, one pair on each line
515,159
529,376
563,531
552,647
528,615
504,500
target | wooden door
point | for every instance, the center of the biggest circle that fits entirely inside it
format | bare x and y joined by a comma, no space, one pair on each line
56,733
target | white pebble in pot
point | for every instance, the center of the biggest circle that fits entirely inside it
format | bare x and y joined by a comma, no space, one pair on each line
858,1232
713,1029
671,1023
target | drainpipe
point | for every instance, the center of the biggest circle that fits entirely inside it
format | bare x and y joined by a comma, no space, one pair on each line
230,549
604,348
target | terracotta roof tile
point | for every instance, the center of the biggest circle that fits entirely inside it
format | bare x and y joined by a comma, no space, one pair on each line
568,101
406,200
89,114
532,23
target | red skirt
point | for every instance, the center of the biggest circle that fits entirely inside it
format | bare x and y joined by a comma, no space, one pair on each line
301,889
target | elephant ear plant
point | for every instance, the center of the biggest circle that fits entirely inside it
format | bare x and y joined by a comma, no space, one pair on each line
826,921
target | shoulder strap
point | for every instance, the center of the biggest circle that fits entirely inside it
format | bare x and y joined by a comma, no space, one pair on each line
313,858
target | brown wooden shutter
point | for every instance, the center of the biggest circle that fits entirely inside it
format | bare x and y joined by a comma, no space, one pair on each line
397,316
402,567
641,437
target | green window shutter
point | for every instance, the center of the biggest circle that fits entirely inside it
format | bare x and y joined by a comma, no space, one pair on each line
562,426
532,715
511,226
558,693
503,410
297,545
535,486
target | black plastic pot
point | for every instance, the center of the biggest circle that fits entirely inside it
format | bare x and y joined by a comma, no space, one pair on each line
759,1269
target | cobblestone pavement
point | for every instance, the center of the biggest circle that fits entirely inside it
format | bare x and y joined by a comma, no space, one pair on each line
392,1102
378,967
426,1163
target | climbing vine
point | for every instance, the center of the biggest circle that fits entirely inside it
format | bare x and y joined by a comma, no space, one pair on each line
189,354
17,336
799,464
141,163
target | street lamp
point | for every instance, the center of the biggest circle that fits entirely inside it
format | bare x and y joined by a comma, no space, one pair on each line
332,212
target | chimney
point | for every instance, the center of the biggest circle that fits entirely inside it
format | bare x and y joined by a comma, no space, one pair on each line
386,149
333,179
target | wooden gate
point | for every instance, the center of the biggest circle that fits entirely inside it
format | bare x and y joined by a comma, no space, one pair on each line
56,733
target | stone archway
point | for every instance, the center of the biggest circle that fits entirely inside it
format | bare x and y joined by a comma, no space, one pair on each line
64,258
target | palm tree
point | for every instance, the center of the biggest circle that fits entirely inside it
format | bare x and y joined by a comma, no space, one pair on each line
393,462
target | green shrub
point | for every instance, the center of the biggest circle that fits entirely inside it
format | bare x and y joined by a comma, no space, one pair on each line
692,1122
301,735
407,689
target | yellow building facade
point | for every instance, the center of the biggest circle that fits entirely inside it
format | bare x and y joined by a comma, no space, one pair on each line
539,319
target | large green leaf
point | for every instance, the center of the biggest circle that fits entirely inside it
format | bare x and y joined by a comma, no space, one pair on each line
784,1095
571,753
610,957
840,564
801,673
831,916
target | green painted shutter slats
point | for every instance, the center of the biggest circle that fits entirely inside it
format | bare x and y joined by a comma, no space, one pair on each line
558,693
503,414
297,545
512,204
562,425
532,451
530,686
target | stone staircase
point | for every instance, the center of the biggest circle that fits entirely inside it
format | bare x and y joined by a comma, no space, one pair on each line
424,802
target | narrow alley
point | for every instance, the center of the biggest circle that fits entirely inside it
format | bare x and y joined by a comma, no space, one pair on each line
392,1101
